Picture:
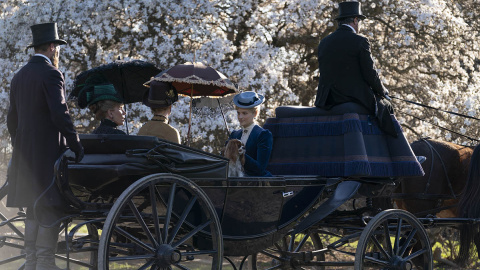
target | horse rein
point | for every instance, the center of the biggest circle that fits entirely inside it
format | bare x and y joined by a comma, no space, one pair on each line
432,150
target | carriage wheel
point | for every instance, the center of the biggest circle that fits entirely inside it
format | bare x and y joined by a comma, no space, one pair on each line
11,234
394,239
162,221
291,253
83,246
12,254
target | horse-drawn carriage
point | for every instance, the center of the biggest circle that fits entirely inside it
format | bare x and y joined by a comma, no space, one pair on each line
138,202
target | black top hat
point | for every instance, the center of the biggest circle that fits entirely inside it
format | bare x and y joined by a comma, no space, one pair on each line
350,9
45,33
160,94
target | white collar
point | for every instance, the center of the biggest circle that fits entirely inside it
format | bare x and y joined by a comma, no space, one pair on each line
249,128
350,27
48,59
245,136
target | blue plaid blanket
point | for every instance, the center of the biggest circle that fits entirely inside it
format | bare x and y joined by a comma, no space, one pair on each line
344,145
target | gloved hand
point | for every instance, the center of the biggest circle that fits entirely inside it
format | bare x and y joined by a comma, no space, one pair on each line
79,154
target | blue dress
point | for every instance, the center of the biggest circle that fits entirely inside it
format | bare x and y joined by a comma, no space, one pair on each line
258,150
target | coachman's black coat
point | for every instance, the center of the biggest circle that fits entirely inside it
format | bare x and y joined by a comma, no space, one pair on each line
348,74
39,123
347,71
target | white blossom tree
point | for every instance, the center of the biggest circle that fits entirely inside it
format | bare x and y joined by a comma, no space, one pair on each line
425,50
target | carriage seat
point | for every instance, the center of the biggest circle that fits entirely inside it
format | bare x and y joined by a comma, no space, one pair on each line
345,141
302,111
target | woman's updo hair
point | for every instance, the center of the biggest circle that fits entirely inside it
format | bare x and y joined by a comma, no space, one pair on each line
255,109
100,108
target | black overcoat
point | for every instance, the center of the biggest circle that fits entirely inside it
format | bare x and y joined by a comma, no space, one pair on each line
38,122
347,71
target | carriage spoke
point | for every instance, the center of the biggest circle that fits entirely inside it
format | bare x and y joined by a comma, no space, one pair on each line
200,252
131,258
407,242
304,240
190,234
182,219
142,223
291,242
12,259
181,267
156,223
284,243
169,211
397,236
376,261
134,239
387,237
279,248
272,255
416,254
380,247
278,266
147,265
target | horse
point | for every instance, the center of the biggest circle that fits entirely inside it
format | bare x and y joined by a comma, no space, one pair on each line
447,189
439,190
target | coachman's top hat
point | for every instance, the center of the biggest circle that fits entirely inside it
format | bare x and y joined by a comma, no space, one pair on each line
45,33
350,9
160,95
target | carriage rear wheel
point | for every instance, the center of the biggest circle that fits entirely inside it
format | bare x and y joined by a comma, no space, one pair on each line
394,239
162,221
291,252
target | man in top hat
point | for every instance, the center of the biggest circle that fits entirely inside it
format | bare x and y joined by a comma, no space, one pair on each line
160,98
347,70
40,127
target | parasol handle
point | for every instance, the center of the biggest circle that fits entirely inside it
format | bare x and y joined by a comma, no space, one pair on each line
126,117
223,115
190,119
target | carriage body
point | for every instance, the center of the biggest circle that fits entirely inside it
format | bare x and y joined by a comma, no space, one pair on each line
252,210
143,191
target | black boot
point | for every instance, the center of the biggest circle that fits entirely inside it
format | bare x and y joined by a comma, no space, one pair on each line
46,246
31,230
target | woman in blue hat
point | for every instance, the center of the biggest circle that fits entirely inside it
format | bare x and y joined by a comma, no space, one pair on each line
258,141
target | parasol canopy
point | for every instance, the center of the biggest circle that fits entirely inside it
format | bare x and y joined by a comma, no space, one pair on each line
127,77
196,80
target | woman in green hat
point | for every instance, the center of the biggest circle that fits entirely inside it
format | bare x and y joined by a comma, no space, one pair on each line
105,103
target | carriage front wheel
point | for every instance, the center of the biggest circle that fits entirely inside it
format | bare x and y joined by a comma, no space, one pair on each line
162,221
394,239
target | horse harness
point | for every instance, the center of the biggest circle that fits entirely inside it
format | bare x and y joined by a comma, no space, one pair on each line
426,196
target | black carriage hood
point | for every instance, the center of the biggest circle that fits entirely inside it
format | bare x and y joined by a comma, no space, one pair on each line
110,157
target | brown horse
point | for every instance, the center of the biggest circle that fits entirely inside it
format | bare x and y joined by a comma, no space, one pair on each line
446,171
447,189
